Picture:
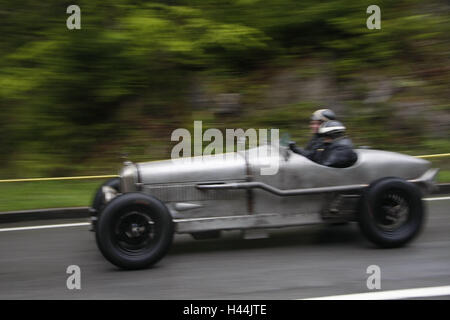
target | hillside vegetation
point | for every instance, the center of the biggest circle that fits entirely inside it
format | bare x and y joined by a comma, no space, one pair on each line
73,101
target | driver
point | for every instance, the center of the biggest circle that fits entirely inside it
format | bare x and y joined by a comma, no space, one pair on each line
337,148
318,117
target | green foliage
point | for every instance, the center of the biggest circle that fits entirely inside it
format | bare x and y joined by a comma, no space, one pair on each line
69,97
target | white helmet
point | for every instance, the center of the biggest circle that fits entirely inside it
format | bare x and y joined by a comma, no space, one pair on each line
323,115
331,128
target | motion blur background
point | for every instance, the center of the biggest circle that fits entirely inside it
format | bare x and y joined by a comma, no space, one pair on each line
72,101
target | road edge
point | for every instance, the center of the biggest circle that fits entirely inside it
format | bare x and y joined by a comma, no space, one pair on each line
44,214
83,212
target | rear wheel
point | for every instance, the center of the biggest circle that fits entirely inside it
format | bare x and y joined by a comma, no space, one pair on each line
134,231
392,212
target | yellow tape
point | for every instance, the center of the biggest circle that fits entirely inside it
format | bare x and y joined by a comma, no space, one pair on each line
59,178
442,155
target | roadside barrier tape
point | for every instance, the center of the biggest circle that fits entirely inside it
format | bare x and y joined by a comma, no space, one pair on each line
60,178
441,155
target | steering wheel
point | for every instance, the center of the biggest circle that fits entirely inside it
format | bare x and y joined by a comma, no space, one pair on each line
285,139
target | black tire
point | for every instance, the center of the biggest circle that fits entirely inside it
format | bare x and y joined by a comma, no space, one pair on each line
392,212
134,231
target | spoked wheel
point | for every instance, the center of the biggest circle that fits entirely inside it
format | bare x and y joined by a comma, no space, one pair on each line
392,212
134,231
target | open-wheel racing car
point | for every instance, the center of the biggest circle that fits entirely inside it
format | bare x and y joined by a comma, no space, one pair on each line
136,215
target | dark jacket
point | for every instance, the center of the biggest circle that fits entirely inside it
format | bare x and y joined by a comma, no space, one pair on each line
315,143
338,153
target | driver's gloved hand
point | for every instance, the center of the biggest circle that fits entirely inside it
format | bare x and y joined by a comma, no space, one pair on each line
296,149
291,145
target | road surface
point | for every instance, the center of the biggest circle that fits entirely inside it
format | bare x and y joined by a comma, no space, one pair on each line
295,263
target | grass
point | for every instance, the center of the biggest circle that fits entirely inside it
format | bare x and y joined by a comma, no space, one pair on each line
46,194
60,194
443,176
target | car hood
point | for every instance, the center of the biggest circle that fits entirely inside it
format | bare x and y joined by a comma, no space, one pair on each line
223,167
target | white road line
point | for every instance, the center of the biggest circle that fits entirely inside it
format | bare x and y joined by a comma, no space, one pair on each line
392,294
87,223
46,226
433,199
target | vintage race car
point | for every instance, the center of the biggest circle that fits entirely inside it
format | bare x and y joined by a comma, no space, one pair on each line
136,216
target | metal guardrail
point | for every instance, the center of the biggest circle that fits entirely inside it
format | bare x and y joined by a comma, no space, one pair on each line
427,156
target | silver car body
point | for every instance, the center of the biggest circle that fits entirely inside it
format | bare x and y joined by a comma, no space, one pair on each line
221,192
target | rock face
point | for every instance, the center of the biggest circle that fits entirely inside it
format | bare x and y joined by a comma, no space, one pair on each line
228,104
222,104
314,82
296,85
435,123
381,91
198,96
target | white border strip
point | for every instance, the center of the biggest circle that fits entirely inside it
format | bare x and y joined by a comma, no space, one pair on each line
434,199
46,226
393,294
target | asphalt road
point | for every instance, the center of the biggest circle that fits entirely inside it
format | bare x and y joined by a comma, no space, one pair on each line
304,262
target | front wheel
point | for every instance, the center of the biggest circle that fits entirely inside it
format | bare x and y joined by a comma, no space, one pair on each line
392,212
134,231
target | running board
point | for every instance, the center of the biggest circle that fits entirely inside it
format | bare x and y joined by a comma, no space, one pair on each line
256,221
